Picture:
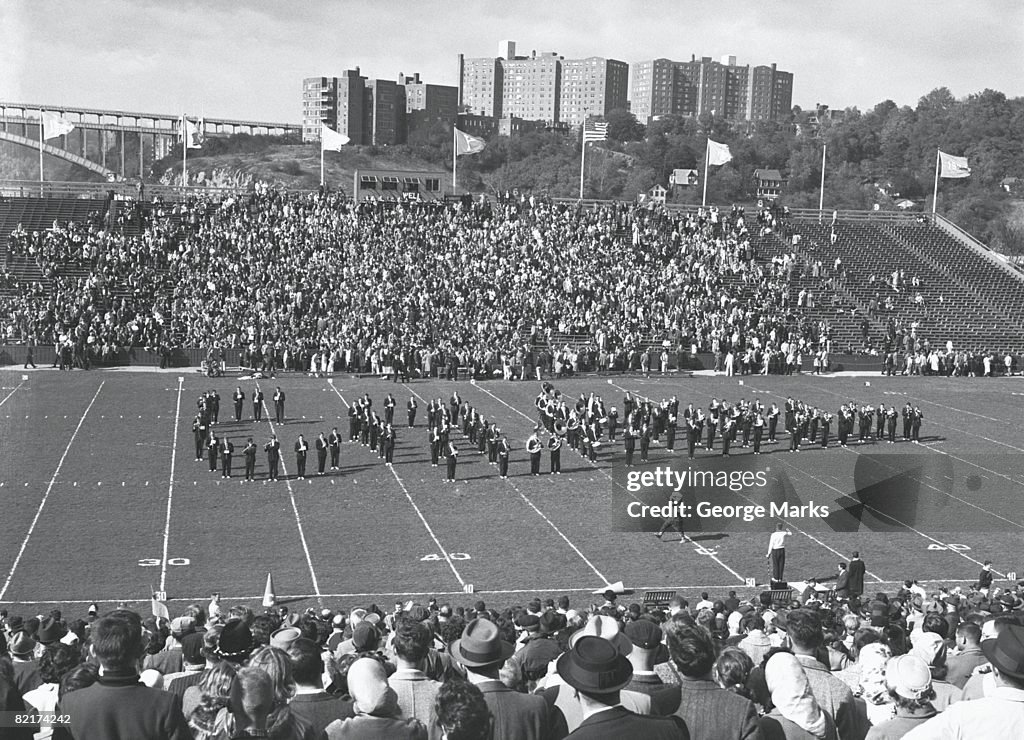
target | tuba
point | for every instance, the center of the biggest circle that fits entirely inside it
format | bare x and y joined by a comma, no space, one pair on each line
560,428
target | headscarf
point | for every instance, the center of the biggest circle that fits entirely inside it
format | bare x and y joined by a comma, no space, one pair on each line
871,660
791,694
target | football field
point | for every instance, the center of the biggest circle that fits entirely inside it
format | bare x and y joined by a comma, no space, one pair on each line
102,498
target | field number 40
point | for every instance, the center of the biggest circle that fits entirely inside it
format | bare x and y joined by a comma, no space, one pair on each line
154,562
452,555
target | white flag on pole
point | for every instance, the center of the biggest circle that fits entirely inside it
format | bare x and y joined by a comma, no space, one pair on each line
54,125
951,166
331,140
718,153
190,134
466,144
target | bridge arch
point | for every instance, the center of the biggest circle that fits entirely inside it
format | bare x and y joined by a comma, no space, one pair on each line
57,152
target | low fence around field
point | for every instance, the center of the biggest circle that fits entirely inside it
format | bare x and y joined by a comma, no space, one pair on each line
45,356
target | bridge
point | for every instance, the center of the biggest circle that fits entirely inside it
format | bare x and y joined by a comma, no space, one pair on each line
128,139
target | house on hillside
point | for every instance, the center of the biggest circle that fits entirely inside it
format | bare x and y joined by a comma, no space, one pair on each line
769,183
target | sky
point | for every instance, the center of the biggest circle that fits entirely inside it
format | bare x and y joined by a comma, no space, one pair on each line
239,59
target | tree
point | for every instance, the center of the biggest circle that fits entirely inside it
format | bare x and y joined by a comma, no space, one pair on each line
623,126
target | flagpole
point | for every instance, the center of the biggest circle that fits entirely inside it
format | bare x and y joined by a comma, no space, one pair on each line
707,150
40,151
935,192
455,157
184,152
583,159
321,159
821,196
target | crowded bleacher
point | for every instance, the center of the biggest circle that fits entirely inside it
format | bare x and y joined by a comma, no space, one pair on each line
304,278
916,663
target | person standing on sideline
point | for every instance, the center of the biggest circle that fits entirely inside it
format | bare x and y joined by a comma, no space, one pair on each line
334,445
555,450
227,449
321,453
301,448
389,445
273,450
451,454
279,405
856,569
675,519
411,408
257,404
504,450
214,401
239,398
30,354
777,551
250,460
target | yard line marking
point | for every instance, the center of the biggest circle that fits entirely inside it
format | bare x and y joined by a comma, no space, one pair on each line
808,535
609,477
559,532
295,509
49,488
170,486
416,508
379,595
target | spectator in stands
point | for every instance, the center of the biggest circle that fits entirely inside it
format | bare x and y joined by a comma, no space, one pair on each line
795,714
193,661
54,663
908,680
376,708
416,693
311,703
282,722
709,711
481,651
169,659
598,671
968,656
755,642
251,702
208,720
646,637
462,712
117,705
806,638
26,669
10,697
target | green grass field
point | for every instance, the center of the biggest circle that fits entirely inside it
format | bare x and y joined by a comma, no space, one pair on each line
102,499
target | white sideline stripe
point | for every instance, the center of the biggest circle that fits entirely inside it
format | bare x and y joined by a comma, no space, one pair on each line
430,531
379,595
170,487
559,532
295,510
49,488
806,534
13,391
603,472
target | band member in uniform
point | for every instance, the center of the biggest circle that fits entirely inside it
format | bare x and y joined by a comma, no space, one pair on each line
321,453
273,450
257,404
411,407
227,449
712,423
301,448
826,422
493,438
890,420
212,448
555,451
841,426
591,442
213,398
880,419
758,431
239,398
455,404
613,423
908,415
674,521
915,425
199,430
371,431
279,405
381,429
250,460
670,433
629,442
389,409
334,445
389,445
645,442
534,447
451,455
504,449
773,422
435,446
728,428
693,434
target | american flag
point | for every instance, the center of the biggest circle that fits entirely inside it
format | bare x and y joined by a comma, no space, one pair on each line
595,131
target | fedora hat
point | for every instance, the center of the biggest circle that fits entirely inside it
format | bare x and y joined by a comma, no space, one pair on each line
606,628
235,642
50,631
595,666
1006,652
480,645
22,644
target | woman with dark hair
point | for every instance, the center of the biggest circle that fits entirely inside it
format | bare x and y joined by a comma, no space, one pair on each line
732,671
79,677
54,663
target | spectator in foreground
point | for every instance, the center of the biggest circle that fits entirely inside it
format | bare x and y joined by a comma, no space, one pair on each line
207,721
251,702
462,712
909,681
376,708
416,693
598,672
117,706
795,714
709,711
311,703
999,715
54,663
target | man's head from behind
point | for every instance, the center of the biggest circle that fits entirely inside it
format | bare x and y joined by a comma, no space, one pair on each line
117,641
804,629
252,698
307,663
691,647
412,640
